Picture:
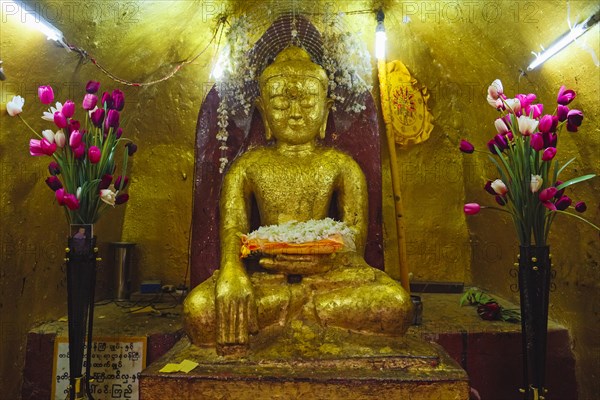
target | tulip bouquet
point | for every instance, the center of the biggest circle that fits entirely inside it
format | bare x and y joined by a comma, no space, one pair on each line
83,165
523,151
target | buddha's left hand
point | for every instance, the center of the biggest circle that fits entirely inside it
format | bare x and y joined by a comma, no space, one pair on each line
299,264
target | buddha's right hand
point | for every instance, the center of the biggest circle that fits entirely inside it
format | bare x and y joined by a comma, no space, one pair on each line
235,307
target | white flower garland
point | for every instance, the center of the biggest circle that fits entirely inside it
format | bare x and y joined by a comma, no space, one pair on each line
345,59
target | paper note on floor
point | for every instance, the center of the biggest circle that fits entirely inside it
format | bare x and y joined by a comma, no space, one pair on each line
185,366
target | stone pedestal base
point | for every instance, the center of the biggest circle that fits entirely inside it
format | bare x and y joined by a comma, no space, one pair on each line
334,365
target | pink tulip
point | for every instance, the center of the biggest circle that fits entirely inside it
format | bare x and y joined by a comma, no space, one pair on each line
501,142
97,117
537,142
538,109
547,194
74,125
565,96
92,87
550,139
75,139
118,99
46,94
545,124
71,201
60,196
549,154
580,207
466,147
60,120
562,112
471,208
68,109
89,101
574,120
41,147
122,198
549,205
79,151
94,154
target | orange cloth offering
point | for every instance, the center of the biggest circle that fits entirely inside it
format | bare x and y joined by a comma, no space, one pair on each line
312,237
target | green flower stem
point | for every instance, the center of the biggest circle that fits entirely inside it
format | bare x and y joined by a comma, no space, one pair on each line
578,217
29,126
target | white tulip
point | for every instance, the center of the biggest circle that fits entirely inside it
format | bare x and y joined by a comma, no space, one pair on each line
499,187
536,183
15,106
48,135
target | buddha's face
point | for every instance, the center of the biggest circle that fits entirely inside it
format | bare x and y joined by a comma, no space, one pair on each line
295,107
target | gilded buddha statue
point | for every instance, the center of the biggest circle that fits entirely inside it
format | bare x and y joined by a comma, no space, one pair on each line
293,179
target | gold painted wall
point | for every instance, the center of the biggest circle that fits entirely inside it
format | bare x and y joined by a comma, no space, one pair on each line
455,49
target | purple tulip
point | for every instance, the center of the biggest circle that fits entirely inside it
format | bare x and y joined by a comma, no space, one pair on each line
466,147
112,120
92,87
488,188
561,112
547,194
574,120
107,100
41,147
537,141
501,142
565,96
501,200
549,153
554,123
94,154
68,109
131,148
97,117
120,180
105,182
89,101
60,120
79,151
471,208
560,192
545,124
122,198
580,207
118,99
46,94
53,183
119,132
54,168
563,203
491,146
550,139
74,125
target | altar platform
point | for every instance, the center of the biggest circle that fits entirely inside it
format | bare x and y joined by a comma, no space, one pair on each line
489,352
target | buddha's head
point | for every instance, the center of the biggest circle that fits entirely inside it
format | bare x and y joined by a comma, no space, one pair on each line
293,98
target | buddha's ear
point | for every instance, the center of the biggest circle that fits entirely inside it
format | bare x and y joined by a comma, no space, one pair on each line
258,102
328,105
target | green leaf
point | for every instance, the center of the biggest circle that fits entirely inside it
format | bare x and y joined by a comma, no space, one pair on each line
562,168
574,181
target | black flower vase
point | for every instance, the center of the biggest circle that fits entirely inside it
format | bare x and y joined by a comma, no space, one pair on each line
81,256
534,290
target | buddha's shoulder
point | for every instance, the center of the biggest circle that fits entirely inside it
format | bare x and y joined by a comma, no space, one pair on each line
334,155
254,155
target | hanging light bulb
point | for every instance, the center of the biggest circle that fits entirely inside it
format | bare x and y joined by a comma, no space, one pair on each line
31,17
564,41
380,36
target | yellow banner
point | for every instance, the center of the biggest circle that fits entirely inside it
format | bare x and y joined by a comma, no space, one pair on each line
410,117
